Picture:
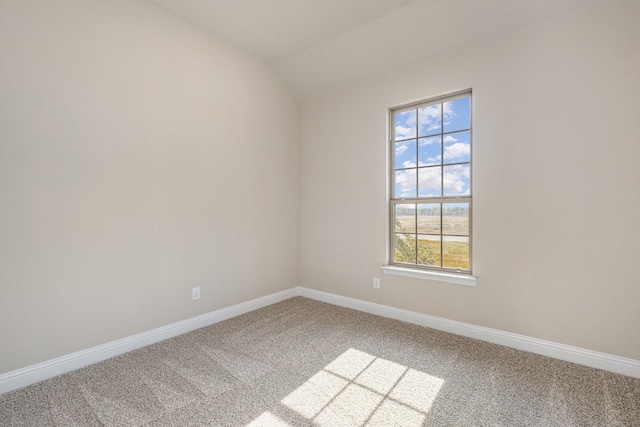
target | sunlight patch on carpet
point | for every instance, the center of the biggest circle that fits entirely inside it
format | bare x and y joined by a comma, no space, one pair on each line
359,389
315,394
267,419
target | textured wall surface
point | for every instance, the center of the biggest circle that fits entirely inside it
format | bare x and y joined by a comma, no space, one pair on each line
555,184
139,157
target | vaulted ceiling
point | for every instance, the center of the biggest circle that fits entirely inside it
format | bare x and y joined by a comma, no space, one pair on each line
320,45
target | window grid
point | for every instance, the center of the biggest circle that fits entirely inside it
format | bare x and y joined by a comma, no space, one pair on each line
453,231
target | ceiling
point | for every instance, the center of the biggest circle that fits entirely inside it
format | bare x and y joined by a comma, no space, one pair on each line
321,45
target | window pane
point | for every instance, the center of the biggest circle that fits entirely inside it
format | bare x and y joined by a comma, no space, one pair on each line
457,115
457,147
405,185
429,152
429,250
405,218
405,154
456,180
429,218
455,218
429,120
405,125
405,245
430,181
455,252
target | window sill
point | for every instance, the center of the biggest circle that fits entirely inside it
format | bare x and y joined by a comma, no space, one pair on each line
458,279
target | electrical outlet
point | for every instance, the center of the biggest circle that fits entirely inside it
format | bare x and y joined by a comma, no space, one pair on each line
376,283
195,293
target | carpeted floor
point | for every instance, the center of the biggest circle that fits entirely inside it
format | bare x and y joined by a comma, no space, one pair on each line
305,363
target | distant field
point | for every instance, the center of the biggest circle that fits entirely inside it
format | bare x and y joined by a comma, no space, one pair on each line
455,254
456,225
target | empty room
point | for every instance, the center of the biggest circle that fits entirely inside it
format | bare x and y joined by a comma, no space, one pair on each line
319,213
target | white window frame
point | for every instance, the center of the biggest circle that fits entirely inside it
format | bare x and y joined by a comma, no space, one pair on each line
437,273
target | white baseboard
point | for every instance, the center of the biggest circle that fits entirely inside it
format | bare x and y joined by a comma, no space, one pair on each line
593,359
60,365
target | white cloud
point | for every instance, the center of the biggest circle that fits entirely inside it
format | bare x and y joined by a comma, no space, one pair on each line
406,183
429,141
436,160
403,132
450,138
408,117
457,150
448,114
429,181
409,164
456,180
405,124
401,147
429,118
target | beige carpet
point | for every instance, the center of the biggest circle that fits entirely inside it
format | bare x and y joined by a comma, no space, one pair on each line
305,363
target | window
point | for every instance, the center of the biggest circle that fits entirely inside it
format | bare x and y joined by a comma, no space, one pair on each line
430,205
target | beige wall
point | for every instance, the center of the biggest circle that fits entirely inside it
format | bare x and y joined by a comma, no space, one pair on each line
556,184
139,157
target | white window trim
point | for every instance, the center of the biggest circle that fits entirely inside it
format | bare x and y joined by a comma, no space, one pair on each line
436,276
407,271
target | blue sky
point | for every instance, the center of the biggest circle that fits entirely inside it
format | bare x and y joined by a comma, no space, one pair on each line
423,137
